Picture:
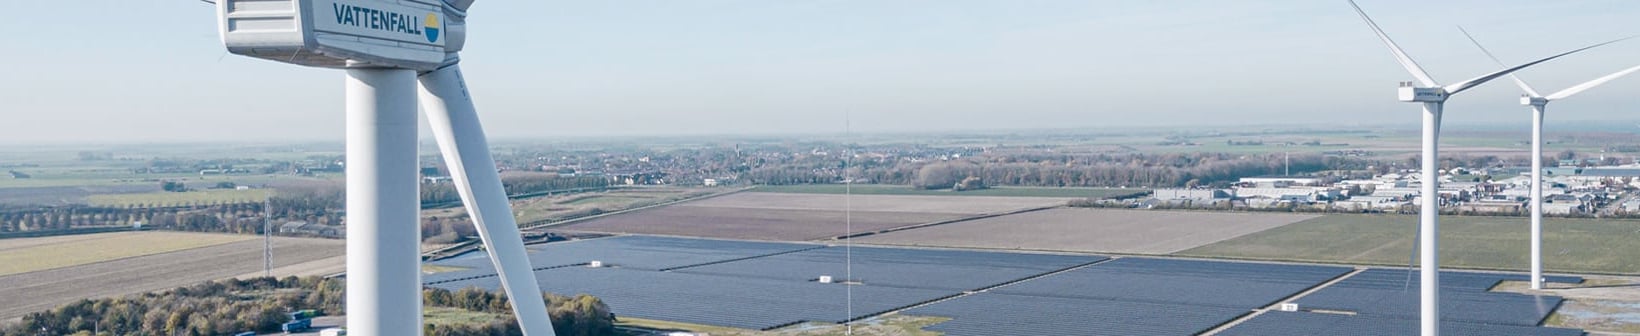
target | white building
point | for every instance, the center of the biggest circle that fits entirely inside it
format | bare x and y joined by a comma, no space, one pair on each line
1280,181
1193,194
1316,194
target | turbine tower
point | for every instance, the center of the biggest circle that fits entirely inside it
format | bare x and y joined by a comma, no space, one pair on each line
387,47
1538,103
1433,96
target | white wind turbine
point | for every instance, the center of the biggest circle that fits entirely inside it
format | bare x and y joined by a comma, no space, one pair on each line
1538,102
386,46
1433,96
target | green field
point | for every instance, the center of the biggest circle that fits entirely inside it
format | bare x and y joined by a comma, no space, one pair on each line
457,316
101,247
883,189
607,200
1570,245
178,198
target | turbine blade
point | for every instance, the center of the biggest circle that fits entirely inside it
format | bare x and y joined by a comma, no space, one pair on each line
455,125
1568,92
1455,88
1400,56
460,5
1518,81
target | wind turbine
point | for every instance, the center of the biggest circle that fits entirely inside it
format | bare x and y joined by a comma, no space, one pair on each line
387,46
1539,102
1433,96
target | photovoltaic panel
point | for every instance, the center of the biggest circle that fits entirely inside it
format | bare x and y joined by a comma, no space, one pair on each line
1182,282
740,302
901,267
988,314
1277,323
634,252
1465,296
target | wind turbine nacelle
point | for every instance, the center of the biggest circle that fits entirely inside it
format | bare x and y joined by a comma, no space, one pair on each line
408,34
1424,95
1533,101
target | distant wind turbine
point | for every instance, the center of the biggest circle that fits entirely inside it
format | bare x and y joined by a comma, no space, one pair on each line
1433,96
1538,103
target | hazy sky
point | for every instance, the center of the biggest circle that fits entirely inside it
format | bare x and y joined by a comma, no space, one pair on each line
154,70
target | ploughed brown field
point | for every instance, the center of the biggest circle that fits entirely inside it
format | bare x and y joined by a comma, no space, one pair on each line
780,216
145,269
1091,230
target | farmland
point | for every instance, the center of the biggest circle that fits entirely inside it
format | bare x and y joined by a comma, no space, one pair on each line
59,252
782,216
1091,230
881,189
1570,245
141,272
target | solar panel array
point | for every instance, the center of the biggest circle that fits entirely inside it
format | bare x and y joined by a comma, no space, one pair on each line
760,285
1465,296
1002,314
1276,323
638,252
1185,282
901,267
729,301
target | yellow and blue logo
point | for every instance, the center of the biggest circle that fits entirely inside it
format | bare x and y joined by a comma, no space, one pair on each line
431,26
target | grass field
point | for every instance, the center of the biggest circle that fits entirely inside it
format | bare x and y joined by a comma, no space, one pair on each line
104,247
434,269
558,208
457,316
884,189
178,198
1570,245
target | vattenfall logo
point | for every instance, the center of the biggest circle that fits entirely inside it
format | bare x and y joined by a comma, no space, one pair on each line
432,27
377,19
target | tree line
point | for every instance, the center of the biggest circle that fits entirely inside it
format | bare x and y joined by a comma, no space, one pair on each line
1048,170
262,304
515,185
244,218
209,308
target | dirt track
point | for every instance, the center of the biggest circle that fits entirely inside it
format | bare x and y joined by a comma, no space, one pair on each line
42,290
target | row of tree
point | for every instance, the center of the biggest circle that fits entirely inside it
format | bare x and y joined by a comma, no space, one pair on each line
263,304
579,315
239,218
210,308
1103,170
516,184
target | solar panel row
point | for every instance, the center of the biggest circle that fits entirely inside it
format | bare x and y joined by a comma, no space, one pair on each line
729,301
1002,314
900,267
636,252
1183,282
1465,296
1278,323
